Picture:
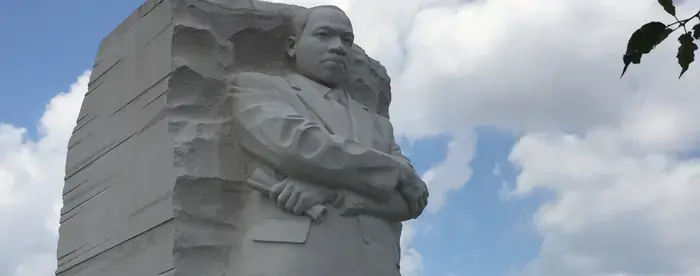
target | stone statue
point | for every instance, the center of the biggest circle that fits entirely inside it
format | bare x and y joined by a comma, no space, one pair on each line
317,145
191,105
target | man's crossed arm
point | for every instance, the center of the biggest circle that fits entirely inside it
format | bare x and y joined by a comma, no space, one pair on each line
273,130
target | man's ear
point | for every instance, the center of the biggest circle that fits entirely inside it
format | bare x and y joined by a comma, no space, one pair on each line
291,47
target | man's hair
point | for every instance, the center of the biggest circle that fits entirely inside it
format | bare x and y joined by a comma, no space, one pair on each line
300,20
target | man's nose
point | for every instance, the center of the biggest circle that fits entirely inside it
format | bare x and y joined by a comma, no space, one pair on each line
337,47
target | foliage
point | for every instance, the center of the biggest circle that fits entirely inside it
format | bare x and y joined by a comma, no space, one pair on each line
651,34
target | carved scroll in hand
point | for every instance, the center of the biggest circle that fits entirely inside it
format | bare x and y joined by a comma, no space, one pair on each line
262,182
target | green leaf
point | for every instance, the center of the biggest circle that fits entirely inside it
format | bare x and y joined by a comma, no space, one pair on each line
686,52
668,6
696,31
627,59
643,41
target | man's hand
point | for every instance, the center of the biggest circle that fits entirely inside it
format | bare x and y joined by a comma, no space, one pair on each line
297,196
413,190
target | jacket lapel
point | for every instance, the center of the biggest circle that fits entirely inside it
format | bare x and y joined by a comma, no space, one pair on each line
361,123
312,96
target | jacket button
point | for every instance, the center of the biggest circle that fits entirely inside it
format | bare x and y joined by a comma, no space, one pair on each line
358,203
366,240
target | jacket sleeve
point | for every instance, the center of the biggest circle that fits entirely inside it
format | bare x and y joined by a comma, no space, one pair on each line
271,129
395,209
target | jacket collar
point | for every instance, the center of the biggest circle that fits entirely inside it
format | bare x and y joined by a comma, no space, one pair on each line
299,82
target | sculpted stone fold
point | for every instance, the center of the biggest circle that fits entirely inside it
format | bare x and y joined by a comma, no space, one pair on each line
157,165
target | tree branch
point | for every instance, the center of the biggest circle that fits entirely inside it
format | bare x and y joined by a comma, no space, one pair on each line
684,21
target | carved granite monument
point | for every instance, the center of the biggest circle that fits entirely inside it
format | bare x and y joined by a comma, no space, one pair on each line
231,138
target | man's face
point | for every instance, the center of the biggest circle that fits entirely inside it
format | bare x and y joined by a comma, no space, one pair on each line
322,50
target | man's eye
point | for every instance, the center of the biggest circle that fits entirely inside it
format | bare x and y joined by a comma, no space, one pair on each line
348,40
323,34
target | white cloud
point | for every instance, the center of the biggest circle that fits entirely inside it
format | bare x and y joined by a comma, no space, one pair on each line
411,259
452,173
624,193
625,190
411,263
31,180
618,209
519,65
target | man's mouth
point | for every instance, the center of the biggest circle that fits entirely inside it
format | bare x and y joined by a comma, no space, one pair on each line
336,60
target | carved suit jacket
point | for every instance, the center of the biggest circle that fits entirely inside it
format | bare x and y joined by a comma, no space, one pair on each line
289,125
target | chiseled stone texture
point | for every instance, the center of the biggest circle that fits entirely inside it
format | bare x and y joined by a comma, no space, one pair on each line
117,214
154,172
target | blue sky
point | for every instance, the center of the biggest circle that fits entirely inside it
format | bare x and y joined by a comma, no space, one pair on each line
567,157
46,45
477,232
